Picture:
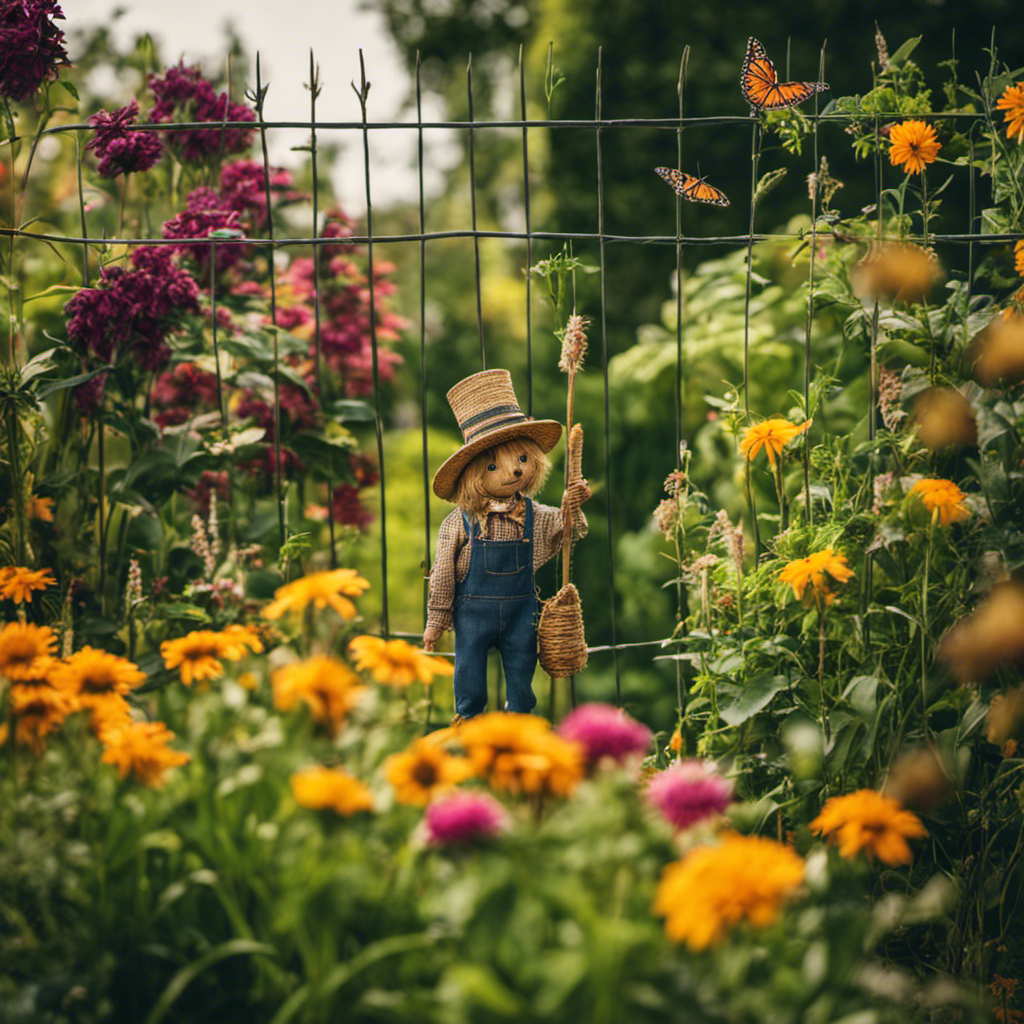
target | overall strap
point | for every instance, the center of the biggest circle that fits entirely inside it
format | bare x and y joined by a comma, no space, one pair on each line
528,521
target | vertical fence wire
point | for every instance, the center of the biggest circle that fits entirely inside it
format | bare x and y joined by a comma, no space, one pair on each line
471,143
423,336
608,482
529,234
378,422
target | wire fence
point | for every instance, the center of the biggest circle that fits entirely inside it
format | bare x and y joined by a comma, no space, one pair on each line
524,239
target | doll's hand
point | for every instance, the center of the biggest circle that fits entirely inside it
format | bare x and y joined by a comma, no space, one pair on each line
577,493
430,637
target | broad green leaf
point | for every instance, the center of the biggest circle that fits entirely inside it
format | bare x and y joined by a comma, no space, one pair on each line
755,696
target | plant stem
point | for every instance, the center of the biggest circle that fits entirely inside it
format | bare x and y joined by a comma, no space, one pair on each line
924,621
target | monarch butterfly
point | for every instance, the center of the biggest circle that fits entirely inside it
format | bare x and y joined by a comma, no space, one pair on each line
760,83
694,189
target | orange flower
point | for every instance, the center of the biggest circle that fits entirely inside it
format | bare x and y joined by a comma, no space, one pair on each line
897,271
41,509
772,435
944,497
240,640
944,417
37,711
197,655
141,749
1012,105
95,675
866,820
17,583
713,888
395,662
991,636
996,352
1018,257
813,570
424,770
913,145
26,651
328,687
321,589
330,789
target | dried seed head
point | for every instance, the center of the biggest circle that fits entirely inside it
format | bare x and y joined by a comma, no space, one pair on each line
883,50
574,344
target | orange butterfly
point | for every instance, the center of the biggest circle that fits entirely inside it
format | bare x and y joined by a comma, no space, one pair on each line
694,189
761,86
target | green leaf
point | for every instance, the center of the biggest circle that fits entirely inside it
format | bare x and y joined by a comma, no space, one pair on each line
350,410
901,55
71,382
68,87
756,696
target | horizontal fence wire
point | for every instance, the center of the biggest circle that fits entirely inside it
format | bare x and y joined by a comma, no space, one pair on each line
529,235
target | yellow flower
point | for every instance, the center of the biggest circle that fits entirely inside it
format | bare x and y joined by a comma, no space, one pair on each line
93,676
913,144
424,770
996,352
41,509
772,435
26,651
943,495
866,820
17,583
813,570
110,712
395,662
1012,103
944,417
1018,257
713,888
141,749
330,789
321,589
897,271
327,686
37,711
239,640
197,655
520,754
991,636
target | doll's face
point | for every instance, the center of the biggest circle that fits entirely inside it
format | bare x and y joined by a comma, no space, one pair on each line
515,466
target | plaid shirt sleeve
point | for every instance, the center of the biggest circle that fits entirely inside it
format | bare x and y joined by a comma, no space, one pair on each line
547,531
451,540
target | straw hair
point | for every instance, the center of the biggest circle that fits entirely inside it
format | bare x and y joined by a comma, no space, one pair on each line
488,414
470,491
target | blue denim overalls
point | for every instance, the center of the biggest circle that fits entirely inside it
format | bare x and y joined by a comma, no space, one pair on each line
496,606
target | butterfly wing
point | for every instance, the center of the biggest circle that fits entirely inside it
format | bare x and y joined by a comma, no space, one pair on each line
694,189
761,86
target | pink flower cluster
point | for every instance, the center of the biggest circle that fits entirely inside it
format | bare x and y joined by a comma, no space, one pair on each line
31,46
462,818
183,95
205,213
121,150
605,731
181,392
689,792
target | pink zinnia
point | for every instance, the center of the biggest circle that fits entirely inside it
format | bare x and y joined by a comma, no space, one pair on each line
461,818
605,731
688,792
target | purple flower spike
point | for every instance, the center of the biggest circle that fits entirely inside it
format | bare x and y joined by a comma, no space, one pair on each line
462,818
689,792
605,731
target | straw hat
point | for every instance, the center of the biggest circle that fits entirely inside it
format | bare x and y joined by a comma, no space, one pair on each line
488,414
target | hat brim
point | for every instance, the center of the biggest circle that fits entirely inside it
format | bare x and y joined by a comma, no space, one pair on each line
545,432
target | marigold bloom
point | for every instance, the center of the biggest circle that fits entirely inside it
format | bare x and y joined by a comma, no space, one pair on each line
991,636
897,271
423,770
395,662
330,789
328,687
17,582
944,417
140,749
943,496
520,754
41,509
110,712
819,570
605,731
95,675
1012,105
321,589
241,639
198,655
713,888
866,820
1018,257
689,792
26,651
772,435
37,711
460,818
996,352
913,145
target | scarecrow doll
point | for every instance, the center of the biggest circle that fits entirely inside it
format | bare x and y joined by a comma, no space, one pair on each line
488,548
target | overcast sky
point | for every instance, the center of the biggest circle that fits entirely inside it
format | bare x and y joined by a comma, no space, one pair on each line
283,33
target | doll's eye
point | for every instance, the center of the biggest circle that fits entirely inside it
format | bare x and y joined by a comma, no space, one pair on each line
524,457
491,468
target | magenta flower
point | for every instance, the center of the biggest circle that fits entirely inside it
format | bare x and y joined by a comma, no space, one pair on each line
348,509
243,188
605,731
206,213
182,94
688,792
31,46
121,150
463,817
181,392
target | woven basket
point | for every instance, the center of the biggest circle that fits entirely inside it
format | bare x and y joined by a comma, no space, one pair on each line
562,647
